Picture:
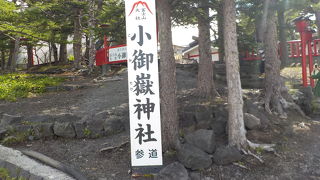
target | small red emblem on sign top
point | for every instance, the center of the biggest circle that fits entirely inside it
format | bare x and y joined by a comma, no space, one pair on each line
142,3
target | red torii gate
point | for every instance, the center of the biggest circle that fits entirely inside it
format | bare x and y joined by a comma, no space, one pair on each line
302,26
306,47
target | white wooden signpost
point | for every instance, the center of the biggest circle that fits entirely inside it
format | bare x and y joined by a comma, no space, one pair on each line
143,80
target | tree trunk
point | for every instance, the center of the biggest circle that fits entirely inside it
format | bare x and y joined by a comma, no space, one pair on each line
55,52
220,32
236,130
91,35
169,114
283,38
86,52
263,21
3,59
205,72
50,52
317,14
10,57
77,35
272,66
63,53
15,54
30,55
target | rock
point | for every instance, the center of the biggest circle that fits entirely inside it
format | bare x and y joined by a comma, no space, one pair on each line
219,125
80,129
254,110
13,170
251,122
195,176
174,171
94,128
226,154
305,100
193,157
43,130
3,133
10,120
122,110
113,125
66,118
203,116
259,136
64,129
40,119
203,139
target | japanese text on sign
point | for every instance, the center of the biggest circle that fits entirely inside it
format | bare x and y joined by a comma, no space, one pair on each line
143,81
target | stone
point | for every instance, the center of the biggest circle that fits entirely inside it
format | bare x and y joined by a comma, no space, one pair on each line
10,120
174,171
94,128
251,122
34,177
203,116
66,118
226,154
305,100
195,176
187,121
203,139
254,110
113,125
39,119
64,129
43,130
13,170
193,157
24,174
102,115
122,110
3,133
80,129
219,126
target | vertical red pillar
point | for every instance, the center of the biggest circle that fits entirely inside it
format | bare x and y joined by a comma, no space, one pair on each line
304,59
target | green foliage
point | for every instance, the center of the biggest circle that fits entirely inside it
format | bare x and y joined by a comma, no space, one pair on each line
13,86
4,174
87,132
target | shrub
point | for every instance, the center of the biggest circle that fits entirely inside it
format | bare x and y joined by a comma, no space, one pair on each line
13,86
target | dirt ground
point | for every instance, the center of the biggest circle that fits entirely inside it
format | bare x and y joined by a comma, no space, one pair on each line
297,139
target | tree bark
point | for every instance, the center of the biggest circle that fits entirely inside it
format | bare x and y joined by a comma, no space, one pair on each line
169,113
236,130
63,53
317,14
10,56
55,52
30,55
263,22
50,52
77,35
205,72
283,38
91,35
272,66
15,54
220,32
3,59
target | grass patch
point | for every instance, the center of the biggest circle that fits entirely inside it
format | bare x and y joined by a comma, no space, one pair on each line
4,174
13,86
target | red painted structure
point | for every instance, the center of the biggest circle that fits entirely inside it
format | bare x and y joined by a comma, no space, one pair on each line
102,55
305,49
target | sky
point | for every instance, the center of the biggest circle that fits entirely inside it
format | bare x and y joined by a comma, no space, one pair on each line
182,35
